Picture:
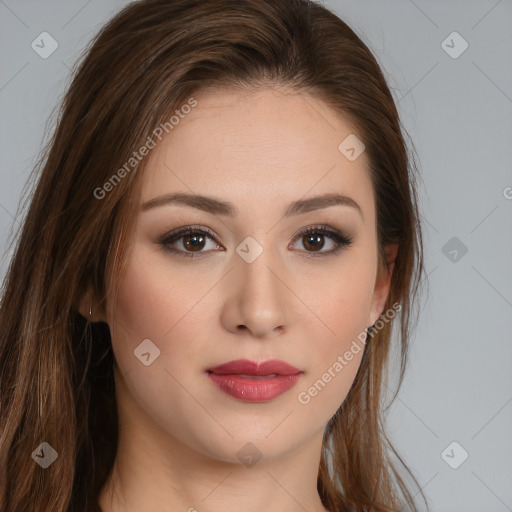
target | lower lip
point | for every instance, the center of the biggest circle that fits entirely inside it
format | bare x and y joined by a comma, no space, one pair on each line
254,390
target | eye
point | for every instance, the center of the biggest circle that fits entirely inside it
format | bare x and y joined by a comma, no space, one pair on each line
313,239
194,239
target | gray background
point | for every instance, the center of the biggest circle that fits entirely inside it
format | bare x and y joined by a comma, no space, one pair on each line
458,112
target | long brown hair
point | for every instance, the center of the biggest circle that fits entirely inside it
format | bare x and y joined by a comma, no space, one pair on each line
56,374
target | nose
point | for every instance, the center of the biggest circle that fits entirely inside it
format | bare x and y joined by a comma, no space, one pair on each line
257,297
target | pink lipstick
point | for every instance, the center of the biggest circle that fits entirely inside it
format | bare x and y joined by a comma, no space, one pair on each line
254,382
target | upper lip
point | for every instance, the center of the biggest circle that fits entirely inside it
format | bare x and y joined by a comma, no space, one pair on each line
247,367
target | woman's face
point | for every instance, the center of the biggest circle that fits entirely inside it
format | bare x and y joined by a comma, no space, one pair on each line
246,283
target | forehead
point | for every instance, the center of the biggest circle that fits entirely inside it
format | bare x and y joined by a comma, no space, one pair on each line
273,145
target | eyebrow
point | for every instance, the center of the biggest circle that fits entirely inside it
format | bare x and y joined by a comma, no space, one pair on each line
218,207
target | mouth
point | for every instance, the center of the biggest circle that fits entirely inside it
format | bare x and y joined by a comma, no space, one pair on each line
250,381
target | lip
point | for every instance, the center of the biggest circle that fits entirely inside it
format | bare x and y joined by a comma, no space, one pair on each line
251,381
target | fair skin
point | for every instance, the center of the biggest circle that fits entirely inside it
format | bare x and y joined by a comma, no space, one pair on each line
179,434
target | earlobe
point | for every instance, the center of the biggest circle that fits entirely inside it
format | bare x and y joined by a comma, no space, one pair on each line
85,304
89,308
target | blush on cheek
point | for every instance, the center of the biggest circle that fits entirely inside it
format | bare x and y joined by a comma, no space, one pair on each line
148,309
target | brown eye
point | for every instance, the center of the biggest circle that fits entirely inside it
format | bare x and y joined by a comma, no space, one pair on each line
195,241
313,240
192,240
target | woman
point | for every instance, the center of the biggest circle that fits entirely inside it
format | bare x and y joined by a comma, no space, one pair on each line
225,212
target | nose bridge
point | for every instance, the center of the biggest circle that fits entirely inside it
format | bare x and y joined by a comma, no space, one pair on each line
258,264
260,292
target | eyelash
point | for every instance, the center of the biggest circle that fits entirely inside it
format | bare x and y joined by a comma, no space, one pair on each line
342,240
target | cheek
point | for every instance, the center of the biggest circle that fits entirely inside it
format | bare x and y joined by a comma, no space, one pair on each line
154,302
342,298
335,359
341,308
160,305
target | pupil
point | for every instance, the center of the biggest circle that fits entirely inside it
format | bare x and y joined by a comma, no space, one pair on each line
187,243
316,241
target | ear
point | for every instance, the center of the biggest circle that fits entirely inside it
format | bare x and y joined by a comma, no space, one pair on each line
87,302
383,284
